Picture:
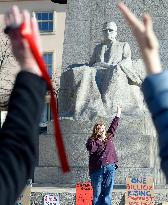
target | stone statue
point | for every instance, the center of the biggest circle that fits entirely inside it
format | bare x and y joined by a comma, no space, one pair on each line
111,53
110,80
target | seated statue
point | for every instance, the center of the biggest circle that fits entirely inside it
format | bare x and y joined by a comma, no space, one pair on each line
112,53
109,80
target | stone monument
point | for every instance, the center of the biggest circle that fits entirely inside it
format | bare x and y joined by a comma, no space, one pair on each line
97,76
109,80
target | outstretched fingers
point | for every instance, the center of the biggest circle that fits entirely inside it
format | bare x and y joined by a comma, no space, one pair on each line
131,19
17,17
36,33
149,33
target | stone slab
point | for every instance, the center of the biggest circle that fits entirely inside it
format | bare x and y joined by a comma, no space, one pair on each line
80,174
133,150
68,198
79,10
141,124
97,12
80,55
78,32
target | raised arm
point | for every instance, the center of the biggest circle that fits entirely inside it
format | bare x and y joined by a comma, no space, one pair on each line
126,65
19,133
114,124
146,38
155,86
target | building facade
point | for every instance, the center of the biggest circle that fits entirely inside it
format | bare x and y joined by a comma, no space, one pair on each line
51,21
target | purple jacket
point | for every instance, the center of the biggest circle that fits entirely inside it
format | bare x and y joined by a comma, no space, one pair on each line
102,153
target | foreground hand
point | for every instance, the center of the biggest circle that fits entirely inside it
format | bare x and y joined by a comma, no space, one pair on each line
20,47
146,38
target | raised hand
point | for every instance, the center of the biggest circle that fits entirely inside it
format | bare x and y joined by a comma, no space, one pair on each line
146,38
119,109
21,50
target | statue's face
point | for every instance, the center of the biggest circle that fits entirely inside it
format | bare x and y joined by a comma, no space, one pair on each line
110,31
110,34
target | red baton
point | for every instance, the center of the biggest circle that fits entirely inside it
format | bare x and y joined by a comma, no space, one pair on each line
58,136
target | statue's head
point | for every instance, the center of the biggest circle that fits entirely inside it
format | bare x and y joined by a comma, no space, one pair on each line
110,31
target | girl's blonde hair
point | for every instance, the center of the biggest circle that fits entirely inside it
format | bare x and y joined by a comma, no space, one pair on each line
95,134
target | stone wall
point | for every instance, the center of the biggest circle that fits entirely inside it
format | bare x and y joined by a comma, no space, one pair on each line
68,198
84,22
136,139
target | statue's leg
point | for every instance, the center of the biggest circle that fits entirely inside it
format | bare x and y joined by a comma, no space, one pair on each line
66,95
137,96
115,90
88,98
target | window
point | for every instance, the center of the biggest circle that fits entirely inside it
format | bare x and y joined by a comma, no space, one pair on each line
46,115
45,118
48,58
45,21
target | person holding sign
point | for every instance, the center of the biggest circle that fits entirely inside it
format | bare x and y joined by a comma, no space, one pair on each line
20,129
155,86
102,160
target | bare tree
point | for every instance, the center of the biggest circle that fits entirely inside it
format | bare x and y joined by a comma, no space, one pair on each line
7,73
55,82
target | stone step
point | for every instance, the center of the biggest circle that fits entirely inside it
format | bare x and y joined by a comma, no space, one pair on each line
80,174
136,151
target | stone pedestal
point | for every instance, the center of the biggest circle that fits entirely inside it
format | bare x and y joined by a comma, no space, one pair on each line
136,140
68,195
136,148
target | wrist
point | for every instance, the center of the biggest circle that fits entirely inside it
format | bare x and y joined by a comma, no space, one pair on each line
118,115
152,62
32,68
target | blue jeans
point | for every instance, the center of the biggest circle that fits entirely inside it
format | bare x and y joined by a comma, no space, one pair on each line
102,181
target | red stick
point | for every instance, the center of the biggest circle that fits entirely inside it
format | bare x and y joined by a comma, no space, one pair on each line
58,136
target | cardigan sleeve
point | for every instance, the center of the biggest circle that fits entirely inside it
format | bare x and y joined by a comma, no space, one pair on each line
155,90
113,126
19,134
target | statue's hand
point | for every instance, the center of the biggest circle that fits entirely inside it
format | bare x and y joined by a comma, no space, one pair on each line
102,64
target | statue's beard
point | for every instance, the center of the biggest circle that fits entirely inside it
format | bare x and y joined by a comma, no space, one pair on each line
110,38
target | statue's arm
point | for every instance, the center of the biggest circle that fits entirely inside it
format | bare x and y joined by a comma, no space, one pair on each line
126,65
93,57
126,57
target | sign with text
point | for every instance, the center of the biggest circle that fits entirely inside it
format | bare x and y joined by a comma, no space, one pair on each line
139,191
24,198
51,199
84,193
